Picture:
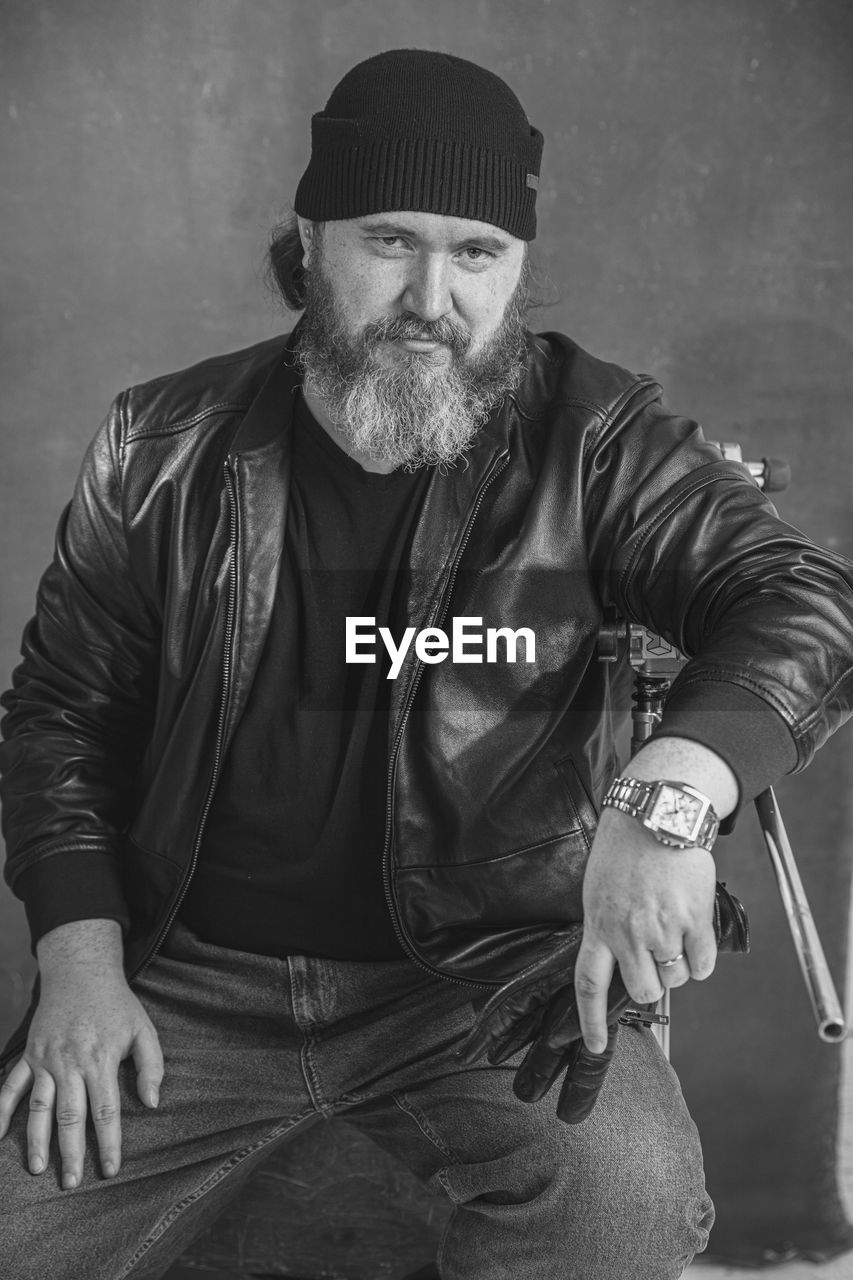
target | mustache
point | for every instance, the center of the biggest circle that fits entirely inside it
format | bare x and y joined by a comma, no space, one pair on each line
413,328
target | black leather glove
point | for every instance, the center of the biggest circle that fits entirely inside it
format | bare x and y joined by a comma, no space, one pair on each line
538,1008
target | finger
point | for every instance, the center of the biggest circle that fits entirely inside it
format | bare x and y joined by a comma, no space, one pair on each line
40,1122
533,1079
641,976
71,1128
700,949
16,1084
584,1079
148,1060
593,973
509,1018
674,970
540,1070
559,1041
105,1110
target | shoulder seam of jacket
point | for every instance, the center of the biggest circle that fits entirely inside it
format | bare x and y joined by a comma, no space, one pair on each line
604,415
184,424
698,480
578,401
608,416
642,382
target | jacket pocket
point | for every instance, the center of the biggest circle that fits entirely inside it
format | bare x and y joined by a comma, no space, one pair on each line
480,919
580,796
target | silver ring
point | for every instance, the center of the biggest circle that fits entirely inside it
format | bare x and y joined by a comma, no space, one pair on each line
665,964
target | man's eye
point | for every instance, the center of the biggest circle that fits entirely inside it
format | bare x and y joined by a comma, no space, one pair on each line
474,254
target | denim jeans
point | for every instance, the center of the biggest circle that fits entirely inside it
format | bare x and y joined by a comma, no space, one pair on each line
257,1048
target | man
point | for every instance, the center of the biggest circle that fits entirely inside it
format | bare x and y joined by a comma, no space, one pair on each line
309,738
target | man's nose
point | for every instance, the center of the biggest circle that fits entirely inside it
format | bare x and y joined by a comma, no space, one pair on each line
427,292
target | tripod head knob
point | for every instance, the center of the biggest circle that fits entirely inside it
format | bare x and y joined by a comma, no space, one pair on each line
770,474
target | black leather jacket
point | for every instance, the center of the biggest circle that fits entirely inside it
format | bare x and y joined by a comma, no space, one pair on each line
580,493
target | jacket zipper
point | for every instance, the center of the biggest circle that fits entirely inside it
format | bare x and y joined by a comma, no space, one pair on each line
407,946
223,712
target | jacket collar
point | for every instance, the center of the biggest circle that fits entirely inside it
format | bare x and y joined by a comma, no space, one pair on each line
270,414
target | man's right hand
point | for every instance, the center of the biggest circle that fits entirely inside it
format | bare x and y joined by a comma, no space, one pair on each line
87,1021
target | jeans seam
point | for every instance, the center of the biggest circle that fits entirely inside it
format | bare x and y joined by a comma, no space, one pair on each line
445,1235
312,1079
408,1107
306,1026
169,1218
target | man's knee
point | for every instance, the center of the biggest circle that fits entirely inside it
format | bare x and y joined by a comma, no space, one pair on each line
625,1189
636,1164
590,1202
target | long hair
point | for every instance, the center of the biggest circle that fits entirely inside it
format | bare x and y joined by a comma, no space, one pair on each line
285,272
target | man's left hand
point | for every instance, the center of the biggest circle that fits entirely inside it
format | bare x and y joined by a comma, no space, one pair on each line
538,1008
644,904
650,920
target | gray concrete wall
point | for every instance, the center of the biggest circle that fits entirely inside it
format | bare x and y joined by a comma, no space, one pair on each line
695,215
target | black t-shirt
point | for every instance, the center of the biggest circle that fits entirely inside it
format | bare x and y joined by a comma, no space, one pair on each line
291,857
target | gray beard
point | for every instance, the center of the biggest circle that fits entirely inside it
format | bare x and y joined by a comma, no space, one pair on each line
417,412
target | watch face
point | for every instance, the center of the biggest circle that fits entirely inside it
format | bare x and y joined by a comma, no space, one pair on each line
676,813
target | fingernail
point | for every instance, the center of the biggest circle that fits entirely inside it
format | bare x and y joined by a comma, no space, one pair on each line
109,1169
153,1097
69,1181
597,1046
36,1165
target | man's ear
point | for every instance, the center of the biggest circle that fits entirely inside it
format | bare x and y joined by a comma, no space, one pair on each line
307,234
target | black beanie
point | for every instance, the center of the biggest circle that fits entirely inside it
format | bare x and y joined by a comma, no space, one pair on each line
408,129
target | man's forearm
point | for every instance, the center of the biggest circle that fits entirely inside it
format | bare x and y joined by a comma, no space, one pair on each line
682,760
94,944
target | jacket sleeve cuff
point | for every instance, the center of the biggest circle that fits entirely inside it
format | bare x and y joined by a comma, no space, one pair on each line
741,727
80,885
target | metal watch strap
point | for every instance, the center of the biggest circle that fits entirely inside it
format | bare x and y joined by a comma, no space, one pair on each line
633,796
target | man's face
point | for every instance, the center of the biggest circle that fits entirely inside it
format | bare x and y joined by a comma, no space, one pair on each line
413,330
420,265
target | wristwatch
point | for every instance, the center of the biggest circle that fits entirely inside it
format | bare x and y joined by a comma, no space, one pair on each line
676,814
